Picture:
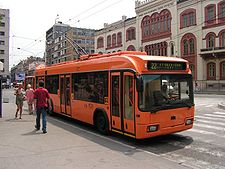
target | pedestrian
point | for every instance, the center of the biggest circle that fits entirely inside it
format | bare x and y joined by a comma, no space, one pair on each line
41,97
30,98
19,100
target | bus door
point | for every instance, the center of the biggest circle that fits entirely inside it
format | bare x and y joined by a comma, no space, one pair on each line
65,90
122,103
128,103
116,102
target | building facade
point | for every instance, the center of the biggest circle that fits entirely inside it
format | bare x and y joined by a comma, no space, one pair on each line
62,41
190,29
26,67
4,42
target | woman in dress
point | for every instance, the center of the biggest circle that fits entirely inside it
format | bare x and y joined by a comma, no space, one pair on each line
19,100
30,98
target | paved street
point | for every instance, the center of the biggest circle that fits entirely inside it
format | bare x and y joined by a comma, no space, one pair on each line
70,144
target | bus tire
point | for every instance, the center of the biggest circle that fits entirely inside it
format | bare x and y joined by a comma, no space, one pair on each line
51,112
102,123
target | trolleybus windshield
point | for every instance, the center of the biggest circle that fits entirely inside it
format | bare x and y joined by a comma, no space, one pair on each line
165,92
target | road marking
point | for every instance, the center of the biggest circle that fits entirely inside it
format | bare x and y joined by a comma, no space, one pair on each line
211,122
209,118
209,106
209,127
214,115
202,132
220,113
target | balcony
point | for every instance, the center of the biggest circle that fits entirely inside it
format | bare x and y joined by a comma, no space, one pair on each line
209,53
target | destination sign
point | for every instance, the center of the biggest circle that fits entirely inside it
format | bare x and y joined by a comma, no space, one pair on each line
157,65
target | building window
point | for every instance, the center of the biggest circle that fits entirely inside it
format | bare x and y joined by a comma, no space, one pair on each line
188,44
157,49
109,41
222,70
192,46
2,42
2,24
185,44
221,10
210,13
119,38
2,52
211,41
222,38
114,40
100,42
188,18
2,33
131,48
156,26
130,34
211,71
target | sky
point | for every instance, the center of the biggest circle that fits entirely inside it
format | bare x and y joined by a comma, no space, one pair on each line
30,19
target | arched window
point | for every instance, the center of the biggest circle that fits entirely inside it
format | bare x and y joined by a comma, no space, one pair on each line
156,26
100,42
211,71
188,18
221,10
131,48
188,44
210,40
109,41
185,47
210,14
192,46
114,40
119,38
222,70
222,38
130,34
145,26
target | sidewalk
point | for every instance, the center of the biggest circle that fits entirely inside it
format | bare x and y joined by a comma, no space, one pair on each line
21,147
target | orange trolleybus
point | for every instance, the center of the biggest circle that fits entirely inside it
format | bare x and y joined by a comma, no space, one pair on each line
130,93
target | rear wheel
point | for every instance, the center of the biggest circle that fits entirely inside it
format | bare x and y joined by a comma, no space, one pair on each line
102,123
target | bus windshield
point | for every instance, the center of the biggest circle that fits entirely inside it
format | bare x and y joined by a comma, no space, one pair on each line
165,92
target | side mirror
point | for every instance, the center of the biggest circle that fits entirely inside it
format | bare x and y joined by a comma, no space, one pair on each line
139,84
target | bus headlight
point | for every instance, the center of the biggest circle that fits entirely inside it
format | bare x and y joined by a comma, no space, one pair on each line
189,121
152,128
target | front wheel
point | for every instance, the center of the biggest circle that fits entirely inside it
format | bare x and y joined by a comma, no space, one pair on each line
102,124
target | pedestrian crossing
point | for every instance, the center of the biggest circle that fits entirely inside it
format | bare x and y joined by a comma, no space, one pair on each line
210,123
203,147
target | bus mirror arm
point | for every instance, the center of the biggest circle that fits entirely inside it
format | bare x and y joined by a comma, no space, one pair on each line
139,83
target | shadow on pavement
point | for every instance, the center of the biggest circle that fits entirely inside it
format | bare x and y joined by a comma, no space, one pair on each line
127,145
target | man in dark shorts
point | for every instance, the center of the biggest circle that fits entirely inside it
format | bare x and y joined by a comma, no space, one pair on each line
41,96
